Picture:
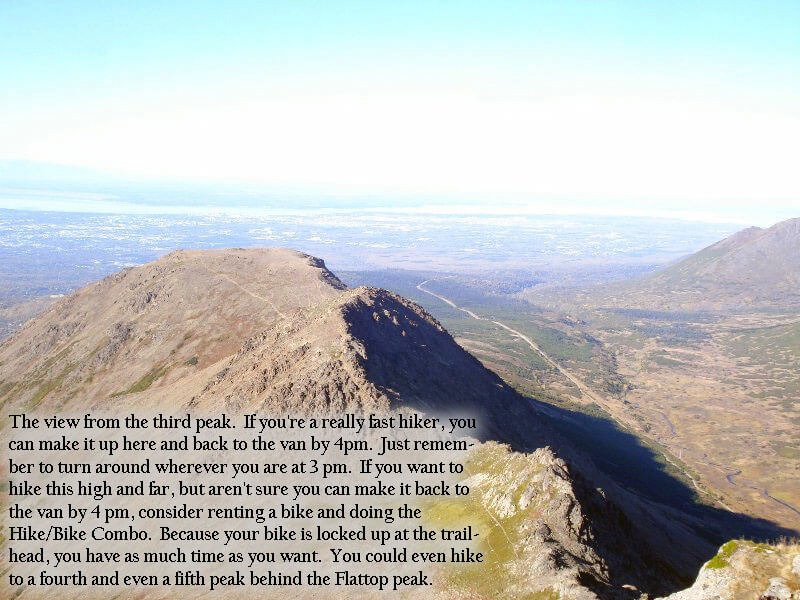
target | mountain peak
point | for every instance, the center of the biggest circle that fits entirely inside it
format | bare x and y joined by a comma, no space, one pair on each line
364,349
160,322
752,268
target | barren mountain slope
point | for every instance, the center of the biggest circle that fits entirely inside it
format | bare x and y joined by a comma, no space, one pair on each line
754,267
157,323
367,349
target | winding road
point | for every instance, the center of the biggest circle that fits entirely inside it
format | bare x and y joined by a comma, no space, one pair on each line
585,391
574,380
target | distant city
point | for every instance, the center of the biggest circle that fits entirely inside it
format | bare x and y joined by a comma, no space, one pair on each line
59,251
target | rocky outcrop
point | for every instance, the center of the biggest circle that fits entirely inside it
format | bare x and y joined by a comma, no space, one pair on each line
744,570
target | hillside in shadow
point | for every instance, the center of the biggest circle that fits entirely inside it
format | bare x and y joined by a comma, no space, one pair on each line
635,467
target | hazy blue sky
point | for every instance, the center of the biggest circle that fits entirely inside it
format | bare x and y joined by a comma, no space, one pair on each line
644,107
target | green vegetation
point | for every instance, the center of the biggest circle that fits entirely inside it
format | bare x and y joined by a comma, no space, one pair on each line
721,560
6,387
182,343
770,355
192,361
145,382
545,594
54,359
49,385
664,360
19,591
43,390
787,451
499,537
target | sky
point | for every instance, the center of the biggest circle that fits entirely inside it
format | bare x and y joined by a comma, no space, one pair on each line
683,107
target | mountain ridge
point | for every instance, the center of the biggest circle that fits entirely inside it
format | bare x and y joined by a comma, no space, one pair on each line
754,267
265,329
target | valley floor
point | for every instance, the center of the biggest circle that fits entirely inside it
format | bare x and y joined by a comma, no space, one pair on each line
715,401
